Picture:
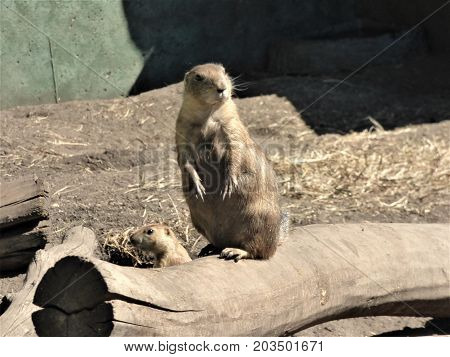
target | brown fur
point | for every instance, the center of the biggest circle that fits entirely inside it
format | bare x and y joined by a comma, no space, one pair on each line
160,240
228,183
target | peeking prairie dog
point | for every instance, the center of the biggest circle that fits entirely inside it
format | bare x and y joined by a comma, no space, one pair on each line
228,184
160,240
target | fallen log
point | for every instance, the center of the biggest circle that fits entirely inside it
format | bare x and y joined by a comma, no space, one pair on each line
321,273
22,208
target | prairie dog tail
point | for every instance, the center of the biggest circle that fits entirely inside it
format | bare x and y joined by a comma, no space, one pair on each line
284,227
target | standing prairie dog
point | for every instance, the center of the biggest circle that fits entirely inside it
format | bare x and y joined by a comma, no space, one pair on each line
160,240
228,184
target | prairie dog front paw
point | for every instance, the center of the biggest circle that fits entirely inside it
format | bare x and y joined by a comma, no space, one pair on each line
230,185
234,253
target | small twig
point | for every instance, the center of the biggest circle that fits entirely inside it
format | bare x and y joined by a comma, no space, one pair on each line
195,243
61,190
175,207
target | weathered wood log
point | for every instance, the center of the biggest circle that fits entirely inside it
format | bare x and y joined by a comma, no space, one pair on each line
22,201
22,207
321,273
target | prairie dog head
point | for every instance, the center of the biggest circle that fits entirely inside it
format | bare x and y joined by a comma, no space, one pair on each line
208,83
155,238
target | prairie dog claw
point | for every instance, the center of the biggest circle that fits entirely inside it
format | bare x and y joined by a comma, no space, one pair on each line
234,253
199,188
230,185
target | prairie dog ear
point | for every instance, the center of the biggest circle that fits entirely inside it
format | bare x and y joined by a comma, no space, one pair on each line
187,74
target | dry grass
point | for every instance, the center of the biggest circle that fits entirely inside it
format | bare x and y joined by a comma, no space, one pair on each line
373,170
118,249
116,244
405,171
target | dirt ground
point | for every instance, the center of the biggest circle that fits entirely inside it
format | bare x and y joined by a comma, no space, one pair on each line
376,149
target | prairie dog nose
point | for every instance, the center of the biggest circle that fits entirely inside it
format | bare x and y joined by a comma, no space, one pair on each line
134,239
220,90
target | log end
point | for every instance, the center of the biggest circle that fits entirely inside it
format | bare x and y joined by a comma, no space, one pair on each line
63,315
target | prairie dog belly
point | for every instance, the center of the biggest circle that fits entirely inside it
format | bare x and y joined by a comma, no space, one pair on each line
221,226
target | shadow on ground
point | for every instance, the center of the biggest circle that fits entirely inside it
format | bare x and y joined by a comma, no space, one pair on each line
432,327
173,36
323,43
389,95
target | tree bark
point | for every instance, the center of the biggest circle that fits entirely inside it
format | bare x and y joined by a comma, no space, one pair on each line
321,273
23,205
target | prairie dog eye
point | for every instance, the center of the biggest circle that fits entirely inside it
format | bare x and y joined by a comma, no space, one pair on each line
149,231
198,78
